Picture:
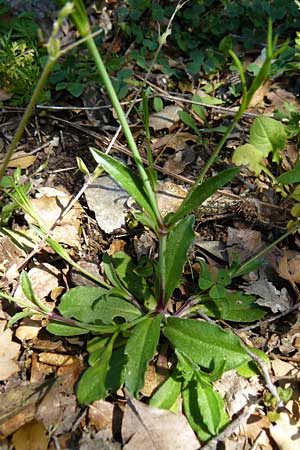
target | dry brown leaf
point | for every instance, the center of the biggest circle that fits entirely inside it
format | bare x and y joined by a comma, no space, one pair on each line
9,352
28,329
177,141
49,208
170,197
257,100
57,359
289,266
31,436
10,258
286,433
144,427
268,295
22,160
165,118
43,278
102,415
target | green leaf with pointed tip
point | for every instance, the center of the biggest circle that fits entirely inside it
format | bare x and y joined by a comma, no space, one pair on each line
290,177
205,343
94,305
62,329
189,121
223,277
126,178
16,317
167,394
179,241
92,385
112,275
202,192
249,156
205,409
205,278
78,303
130,278
140,349
267,135
236,307
217,291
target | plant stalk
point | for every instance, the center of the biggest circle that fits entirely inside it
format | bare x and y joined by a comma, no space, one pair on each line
26,116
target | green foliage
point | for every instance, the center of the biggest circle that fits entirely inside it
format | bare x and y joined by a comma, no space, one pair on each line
267,136
132,315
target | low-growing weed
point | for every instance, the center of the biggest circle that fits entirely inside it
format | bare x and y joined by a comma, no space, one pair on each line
132,315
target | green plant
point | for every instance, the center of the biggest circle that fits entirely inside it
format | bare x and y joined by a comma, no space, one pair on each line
132,315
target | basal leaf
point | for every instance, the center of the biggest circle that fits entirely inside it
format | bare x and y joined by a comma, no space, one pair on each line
204,343
130,278
205,408
126,178
179,240
79,302
62,329
202,192
250,156
267,135
217,291
192,411
116,371
92,384
167,394
109,308
140,349
236,307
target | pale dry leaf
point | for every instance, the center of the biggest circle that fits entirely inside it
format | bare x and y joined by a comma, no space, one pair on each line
31,436
177,141
169,197
286,433
28,329
43,278
258,99
57,359
289,266
268,295
166,118
49,208
144,427
9,352
109,203
101,415
10,257
22,160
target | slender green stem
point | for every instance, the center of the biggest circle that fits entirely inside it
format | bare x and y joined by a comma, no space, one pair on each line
122,118
265,250
26,116
162,274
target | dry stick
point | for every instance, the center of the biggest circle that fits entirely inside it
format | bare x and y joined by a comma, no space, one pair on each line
270,319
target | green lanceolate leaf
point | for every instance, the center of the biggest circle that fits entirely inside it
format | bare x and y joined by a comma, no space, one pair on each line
167,394
94,305
111,274
205,279
290,177
189,121
267,135
204,343
202,192
126,178
62,329
140,349
130,278
179,241
92,384
236,307
111,307
79,302
204,409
